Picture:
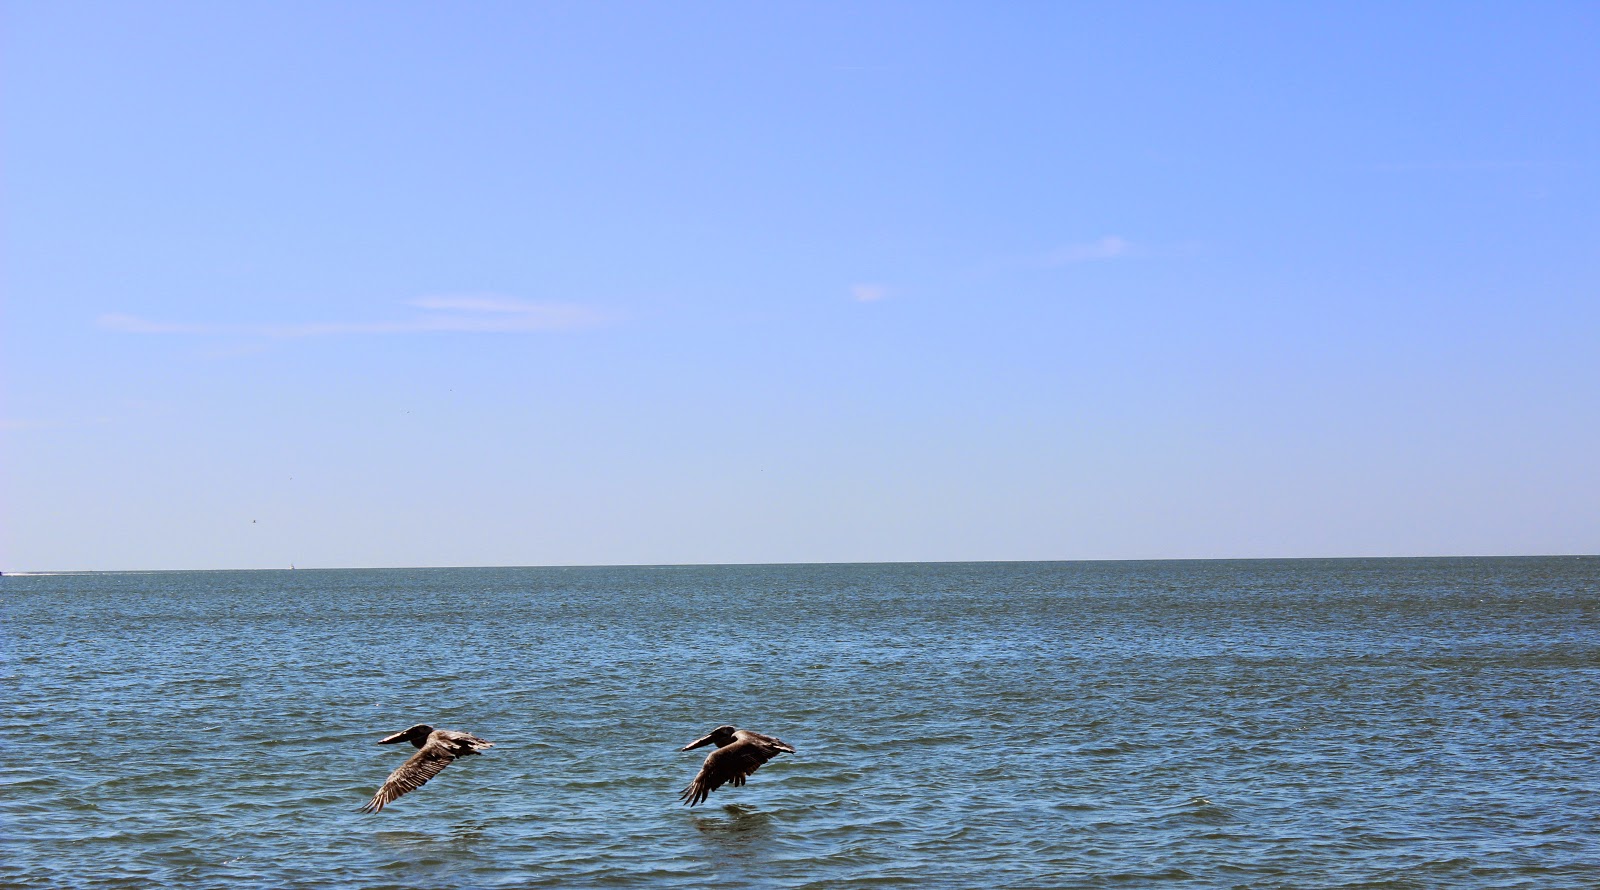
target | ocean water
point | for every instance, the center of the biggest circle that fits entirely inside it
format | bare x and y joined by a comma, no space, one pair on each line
1418,723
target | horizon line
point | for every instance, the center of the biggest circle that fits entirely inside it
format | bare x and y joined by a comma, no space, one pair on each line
885,562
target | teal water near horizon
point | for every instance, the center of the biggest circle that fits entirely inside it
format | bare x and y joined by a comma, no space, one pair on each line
1365,723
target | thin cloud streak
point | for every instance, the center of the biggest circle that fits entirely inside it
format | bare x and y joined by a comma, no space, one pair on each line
13,425
29,424
1455,166
443,314
1110,247
869,293
478,303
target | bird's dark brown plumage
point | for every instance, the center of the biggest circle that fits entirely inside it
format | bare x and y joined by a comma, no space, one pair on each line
436,748
739,753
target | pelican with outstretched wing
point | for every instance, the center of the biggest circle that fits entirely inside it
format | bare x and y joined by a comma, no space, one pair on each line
739,753
436,748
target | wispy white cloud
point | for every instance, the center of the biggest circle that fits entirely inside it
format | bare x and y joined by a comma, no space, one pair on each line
131,324
487,303
19,424
469,314
1454,166
869,293
28,424
1110,247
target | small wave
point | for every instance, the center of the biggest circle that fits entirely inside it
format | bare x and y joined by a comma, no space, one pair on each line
31,783
1203,810
1105,749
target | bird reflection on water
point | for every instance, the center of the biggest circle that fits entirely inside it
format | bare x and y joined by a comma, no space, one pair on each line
740,819
462,837
464,834
737,839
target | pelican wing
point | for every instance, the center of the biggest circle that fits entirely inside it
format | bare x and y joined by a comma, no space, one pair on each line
732,763
413,774
463,742
767,741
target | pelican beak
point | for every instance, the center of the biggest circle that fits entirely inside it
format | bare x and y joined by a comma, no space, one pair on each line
397,737
696,744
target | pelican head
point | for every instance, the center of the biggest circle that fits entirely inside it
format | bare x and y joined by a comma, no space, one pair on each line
416,735
722,735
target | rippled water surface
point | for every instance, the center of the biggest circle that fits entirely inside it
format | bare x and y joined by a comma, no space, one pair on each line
1307,724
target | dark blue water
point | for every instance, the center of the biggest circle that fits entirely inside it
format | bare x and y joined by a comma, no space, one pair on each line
1308,724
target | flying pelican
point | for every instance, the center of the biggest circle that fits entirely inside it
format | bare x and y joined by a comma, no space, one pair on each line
435,749
739,753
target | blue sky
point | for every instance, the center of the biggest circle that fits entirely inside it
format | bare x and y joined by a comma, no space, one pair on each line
369,284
